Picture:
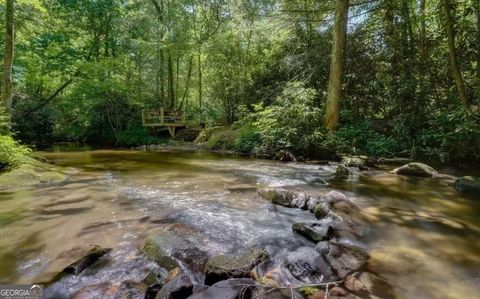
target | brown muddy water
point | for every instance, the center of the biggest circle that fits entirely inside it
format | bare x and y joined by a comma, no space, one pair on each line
423,237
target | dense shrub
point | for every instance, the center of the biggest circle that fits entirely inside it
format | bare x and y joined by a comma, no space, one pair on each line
450,136
292,121
11,153
248,139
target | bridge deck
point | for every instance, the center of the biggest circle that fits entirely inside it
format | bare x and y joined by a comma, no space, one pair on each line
159,118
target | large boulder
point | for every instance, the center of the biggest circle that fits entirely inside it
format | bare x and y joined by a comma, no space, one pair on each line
468,185
222,267
314,232
415,169
171,246
228,289
179,287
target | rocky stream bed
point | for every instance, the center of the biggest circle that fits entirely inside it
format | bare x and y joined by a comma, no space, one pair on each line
230,228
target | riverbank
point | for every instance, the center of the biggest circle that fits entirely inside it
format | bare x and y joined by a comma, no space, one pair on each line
31,171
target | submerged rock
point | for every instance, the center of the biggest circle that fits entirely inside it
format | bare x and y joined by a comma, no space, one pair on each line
468,185
345,259
153,250
78,266
222,267
314,232
341,172
228,289
169,246
368,285
415,169
179,287
276,293
106,290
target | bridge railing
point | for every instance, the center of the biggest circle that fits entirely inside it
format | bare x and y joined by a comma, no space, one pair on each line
159,118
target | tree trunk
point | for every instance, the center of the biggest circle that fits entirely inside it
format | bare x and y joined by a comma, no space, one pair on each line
200,77
422,64
187,83
171,82
477,9
332,113
391,36
177,77
8,58
457,75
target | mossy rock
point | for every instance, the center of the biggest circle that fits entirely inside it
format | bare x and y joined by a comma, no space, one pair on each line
277,196
223,267
31,173
321,211
342,172
468,185
358,161
170,247
153,249
315,232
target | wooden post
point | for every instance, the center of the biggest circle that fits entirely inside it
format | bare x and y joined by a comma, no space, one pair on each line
171,130
162,115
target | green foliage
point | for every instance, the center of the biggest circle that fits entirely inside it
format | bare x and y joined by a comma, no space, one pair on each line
292,117
243,63
360,135
11,152
450,135
4,122
248,139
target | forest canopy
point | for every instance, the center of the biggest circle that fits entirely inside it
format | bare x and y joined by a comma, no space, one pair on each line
376,77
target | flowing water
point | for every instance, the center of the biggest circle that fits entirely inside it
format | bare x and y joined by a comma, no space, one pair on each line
423,237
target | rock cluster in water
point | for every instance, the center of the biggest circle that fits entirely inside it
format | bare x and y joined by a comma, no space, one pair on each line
323,262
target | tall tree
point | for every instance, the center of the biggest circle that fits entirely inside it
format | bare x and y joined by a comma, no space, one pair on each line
8,58
452,52
477,10
334,93
422,64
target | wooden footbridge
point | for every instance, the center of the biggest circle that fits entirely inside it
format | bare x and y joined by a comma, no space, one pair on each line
160,118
